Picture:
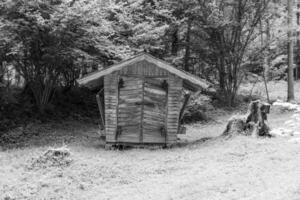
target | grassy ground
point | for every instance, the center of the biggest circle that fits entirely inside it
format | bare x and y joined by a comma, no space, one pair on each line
237,168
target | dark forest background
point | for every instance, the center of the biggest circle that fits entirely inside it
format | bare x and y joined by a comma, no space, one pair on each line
45,45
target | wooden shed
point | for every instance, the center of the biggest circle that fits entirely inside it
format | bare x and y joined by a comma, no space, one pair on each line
142,100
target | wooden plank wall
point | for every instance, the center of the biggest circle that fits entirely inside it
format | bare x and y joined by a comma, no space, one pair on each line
174,105
111,102
141,69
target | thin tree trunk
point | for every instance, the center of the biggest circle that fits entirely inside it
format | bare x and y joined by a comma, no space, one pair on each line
267,52
290,95
222,74
264,61
175,44
187,46
298,42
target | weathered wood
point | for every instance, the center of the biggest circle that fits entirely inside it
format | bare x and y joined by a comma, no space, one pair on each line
110,99
174,103
253,123
147,69
142,113
145,108
101,110
129,112
154,113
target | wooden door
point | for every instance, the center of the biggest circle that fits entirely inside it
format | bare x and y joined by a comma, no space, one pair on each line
154,110
129,109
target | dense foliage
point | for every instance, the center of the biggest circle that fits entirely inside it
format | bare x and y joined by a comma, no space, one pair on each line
50,43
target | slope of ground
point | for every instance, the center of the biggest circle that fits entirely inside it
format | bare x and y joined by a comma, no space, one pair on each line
198,168
239,168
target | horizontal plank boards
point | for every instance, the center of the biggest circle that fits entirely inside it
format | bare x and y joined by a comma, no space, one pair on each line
161,107
154,113
154,118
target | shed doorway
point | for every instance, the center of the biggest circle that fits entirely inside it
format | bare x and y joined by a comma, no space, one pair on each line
142,109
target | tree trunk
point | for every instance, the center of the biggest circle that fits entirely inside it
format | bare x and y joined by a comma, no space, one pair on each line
222,74
175,44
253,123
267,62
290,95
42,94
187,46
297,72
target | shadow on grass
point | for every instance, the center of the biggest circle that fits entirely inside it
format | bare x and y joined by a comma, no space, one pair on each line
180,144
183,144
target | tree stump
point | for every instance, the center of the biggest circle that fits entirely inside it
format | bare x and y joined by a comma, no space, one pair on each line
253,123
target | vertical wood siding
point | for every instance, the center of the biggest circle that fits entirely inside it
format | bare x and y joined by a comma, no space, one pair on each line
129,110
143,70
155,112
174,105
111,102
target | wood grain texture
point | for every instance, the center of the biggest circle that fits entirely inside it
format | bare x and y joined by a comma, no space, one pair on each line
155,111
129,112
143,68
174,104
110,99
152,68
142,108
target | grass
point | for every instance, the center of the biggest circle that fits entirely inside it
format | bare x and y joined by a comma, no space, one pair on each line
237,168
277,90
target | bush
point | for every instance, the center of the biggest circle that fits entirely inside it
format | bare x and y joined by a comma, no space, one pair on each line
196,109
17,108
78,103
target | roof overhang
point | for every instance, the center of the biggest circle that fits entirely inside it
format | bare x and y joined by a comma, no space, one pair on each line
191,81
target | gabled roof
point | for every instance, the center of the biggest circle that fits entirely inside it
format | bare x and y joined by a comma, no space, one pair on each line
187,77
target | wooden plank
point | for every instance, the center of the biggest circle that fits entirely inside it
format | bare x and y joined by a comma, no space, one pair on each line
129,133
110,98
153,137
153,124
147,69
133,84
101,110
156,92
173,128
132,87
174,104
142,112
131,100
110,93
128,116
155,115
125,115
111,111
129,113
152,65
132,93
154,118
155,97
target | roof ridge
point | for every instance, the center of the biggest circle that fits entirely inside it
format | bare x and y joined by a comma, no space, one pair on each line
147,57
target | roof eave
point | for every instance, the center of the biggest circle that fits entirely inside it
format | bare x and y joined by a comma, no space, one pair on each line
195,81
